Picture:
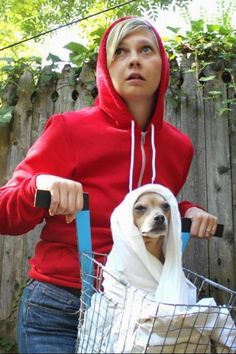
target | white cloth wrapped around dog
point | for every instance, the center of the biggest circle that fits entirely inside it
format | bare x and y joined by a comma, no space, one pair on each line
146,306
131,262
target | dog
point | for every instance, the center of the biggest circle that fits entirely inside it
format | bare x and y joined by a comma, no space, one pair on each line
151,214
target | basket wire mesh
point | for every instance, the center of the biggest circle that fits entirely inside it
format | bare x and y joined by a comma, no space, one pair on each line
132,322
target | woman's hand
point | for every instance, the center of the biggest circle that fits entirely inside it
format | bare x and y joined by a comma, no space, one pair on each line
66,195
203,224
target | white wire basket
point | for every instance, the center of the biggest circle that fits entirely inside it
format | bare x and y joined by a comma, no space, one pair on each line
129,321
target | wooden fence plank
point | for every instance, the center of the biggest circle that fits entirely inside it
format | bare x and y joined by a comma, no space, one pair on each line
192,123
43,103
13,248
85,87
231,94
20,132
65,87
219,192
173,96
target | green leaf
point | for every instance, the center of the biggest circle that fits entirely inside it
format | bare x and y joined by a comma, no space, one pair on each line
215,93
225,31
7,59
54,58
224,110
6,114
98,32
197,25
213,28
6,344
6,68
208,78
77,59
173,29
37,60
76,48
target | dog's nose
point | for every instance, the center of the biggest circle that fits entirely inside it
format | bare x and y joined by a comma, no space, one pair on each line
159,219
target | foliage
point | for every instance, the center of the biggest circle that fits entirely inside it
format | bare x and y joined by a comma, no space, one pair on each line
11,70
6,114
212,44
208,42
24,19
15,67
80,53
8,345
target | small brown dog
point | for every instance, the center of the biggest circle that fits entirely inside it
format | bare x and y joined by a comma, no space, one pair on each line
151,213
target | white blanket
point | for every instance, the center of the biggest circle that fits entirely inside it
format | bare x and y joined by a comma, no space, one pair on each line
138,312
140,325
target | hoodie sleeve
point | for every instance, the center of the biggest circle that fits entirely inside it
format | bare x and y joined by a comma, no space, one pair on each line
52,154
185,205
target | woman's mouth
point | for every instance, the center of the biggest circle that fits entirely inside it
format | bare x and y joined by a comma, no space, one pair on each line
135,76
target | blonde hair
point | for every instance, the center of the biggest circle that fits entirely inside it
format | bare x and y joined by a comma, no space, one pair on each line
120,31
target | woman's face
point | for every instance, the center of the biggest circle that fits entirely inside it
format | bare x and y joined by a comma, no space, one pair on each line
136,67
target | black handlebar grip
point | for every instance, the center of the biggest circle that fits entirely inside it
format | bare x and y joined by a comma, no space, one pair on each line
43,199
186,226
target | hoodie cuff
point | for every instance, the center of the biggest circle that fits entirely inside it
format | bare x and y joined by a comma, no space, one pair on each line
185,205
30,191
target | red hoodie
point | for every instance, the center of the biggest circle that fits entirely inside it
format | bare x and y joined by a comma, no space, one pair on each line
103,148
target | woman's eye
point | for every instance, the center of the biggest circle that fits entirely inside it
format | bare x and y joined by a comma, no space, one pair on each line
147,49
119,51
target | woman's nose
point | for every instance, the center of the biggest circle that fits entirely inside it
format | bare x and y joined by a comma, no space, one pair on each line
134,59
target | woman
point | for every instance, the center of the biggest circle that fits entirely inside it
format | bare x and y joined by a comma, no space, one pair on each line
107,150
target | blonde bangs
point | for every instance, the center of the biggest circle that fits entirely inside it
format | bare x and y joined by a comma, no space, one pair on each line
120,31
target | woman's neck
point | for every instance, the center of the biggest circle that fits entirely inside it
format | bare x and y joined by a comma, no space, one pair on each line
142,111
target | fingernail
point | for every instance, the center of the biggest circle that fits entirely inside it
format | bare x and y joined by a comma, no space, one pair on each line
67,219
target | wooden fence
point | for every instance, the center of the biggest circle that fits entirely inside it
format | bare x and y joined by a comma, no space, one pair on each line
211,182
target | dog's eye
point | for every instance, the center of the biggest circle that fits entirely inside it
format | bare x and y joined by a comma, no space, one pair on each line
140,207
166,206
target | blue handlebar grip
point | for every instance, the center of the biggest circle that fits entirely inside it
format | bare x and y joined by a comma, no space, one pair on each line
83,229
185,240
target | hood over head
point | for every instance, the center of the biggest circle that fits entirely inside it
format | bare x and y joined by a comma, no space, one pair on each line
108,98
132,262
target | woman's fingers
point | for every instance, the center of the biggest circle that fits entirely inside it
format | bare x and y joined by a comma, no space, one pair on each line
66,195
75,202
203,224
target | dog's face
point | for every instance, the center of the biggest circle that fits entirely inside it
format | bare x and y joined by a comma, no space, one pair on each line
151,214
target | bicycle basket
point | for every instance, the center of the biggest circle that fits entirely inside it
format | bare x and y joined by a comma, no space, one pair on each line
129,321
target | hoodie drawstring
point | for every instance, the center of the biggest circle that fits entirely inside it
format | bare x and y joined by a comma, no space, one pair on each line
131,171
153,154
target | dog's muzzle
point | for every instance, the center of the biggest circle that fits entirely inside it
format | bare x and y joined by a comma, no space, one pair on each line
157,226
